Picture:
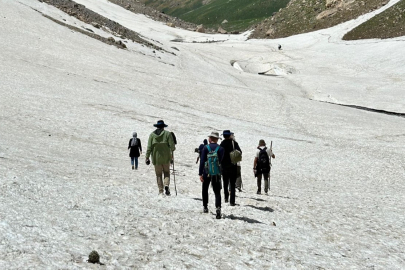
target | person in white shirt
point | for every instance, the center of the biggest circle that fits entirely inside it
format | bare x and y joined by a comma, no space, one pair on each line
261,166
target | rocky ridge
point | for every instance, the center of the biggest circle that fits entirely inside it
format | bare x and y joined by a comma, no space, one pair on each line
302,16
88,16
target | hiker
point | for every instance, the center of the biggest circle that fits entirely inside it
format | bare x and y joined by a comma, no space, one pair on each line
229,169
160,147
210,171
239,174
199,149
261,166
135,150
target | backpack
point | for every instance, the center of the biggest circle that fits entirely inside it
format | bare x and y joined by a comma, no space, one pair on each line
174,138
263,162
235,155
212,166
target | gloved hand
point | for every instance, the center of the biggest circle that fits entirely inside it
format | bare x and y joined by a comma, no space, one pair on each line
255,172
171,161
147,161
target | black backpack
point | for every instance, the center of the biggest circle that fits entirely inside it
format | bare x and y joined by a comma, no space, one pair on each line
263,162
174,138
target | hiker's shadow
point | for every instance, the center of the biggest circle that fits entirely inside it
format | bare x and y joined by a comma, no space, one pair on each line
248,220
256,199
267,209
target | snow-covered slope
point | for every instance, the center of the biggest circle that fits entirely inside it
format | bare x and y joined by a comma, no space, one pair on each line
69,105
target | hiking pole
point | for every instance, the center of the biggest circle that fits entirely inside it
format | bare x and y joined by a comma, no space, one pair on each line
271,150
174,174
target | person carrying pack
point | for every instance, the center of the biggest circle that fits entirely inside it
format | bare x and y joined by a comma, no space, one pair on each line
261,166
160,147
135,150
239,173
199,150
229,167
210,171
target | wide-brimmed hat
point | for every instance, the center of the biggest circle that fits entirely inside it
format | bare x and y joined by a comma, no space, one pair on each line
227,133
214,135
262,143
160,123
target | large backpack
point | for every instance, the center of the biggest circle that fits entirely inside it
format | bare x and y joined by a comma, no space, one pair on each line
263,162
212,166
174,138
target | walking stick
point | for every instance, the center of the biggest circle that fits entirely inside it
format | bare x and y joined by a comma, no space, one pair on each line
174,175
271,150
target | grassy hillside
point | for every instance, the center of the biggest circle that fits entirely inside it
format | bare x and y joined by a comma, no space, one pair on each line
388,24
282,18
240,14
310,15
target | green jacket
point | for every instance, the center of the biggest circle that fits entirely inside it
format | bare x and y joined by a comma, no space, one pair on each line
160,147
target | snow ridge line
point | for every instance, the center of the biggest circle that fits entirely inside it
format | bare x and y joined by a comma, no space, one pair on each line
364,108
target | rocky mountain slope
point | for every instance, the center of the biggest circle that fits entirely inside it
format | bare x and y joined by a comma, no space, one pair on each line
296,17
388,24
302,16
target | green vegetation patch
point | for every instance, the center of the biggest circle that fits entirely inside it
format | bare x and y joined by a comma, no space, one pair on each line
388,24
305,16
240,14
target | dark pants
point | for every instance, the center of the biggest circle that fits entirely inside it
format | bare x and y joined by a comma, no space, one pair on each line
266,181
229,177
216,186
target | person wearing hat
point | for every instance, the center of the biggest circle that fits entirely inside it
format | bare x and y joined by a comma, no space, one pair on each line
160,147
261,166
200,148
205,178
135,150
229,170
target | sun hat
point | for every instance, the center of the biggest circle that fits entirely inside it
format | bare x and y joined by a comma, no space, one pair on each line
160,123
227,133
214,135
262,143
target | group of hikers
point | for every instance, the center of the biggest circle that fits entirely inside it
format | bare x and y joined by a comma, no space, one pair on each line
216,161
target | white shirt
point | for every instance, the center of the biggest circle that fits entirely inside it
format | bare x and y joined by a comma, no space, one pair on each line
268,150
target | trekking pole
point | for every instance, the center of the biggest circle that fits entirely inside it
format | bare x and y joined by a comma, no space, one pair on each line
174,175
271,150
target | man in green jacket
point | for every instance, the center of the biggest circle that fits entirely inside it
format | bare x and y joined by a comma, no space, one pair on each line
160,147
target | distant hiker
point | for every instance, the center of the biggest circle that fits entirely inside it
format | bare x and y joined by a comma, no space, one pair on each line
199,149
229,168
239,174
160,147
210,171
279,46
261,166
135,150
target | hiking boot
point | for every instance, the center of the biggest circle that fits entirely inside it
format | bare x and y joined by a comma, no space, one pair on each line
133,167
239,189
161,194
167,190
218,216
259,192
232,204
226,199
205,209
